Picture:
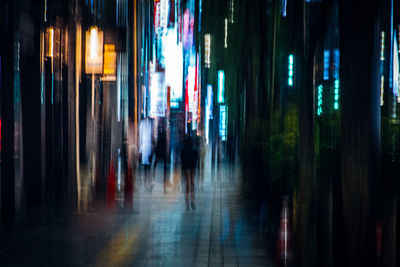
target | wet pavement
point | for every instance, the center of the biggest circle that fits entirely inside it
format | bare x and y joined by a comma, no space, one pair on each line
159,231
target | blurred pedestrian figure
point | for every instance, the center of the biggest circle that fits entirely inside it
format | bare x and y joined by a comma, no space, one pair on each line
146,148
161,154
189,158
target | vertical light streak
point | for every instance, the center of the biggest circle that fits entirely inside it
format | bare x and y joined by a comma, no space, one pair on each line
226,34
326,64
42,44
290,71
382,88
93,81
45,10
320,90
221,86
119,76
51,42
135,71
382,58
78,45
207,50
336,102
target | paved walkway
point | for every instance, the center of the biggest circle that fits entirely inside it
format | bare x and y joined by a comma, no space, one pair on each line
159,232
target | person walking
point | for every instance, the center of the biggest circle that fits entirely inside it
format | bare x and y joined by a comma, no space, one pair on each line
189,158
146,149
161,154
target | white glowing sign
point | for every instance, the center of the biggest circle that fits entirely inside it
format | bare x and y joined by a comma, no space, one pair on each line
158,96
173,64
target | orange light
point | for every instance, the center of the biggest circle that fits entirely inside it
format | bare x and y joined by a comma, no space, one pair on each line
50,35
110,63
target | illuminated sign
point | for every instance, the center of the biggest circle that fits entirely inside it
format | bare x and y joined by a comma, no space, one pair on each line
110,62
290,70
94,51
221,86
222,122
319,107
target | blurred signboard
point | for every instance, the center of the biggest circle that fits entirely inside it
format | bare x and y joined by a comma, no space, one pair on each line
94,51
110,63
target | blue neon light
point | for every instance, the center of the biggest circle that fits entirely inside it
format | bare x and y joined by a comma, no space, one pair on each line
221,86
291,70
326,64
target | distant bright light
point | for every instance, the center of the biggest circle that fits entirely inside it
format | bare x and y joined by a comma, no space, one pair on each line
221,86
291,70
